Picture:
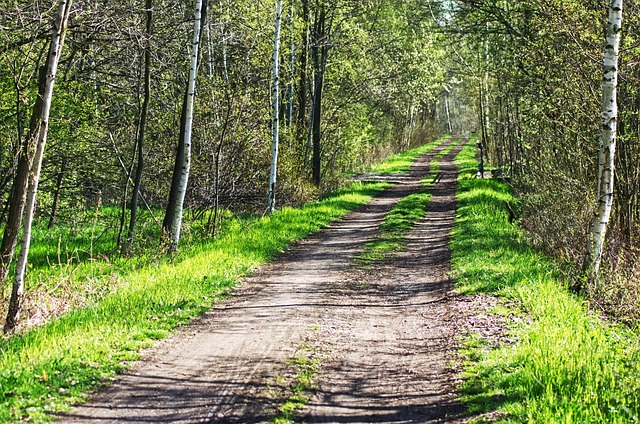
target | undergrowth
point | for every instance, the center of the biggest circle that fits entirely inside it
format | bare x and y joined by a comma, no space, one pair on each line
568,365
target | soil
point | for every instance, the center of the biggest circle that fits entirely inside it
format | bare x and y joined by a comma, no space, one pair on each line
383,336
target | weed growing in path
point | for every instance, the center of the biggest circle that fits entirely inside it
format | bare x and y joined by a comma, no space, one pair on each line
305,366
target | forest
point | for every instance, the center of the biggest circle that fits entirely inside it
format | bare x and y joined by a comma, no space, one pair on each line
136,132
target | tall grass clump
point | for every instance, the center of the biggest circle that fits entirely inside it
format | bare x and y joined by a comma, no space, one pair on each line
568,365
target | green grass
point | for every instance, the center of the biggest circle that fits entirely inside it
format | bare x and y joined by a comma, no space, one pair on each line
567,365
305,365
404,215
395,226
398,221
56,364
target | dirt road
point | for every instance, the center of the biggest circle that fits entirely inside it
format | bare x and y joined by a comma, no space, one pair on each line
381,335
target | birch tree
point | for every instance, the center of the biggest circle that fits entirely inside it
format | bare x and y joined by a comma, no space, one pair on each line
42,125
276,109
606,155
173,218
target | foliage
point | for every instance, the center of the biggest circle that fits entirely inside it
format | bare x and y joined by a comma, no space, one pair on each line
383,74
534,69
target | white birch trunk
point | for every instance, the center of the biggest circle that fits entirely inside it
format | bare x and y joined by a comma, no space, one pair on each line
606,156
446,106
276,109
191,92
55,50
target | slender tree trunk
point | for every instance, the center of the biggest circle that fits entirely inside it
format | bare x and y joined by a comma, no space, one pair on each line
304,55
56,193
608,135
292,64
21,181
486,89
57,41
173,218
319,54
225,69
276,110
446,106
142,127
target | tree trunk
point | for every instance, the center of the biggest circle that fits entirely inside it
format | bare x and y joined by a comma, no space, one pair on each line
57,41
173,218
56,194
304,55
319,54
142,126
21,181
606,156
292,64
276,111
446,106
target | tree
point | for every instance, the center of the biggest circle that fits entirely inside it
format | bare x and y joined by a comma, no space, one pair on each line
173,218
606,156
42,125
319,53
142,127
276,110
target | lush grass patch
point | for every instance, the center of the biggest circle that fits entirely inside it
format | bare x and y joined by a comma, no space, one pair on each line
51,366
395,226
568,365
404,215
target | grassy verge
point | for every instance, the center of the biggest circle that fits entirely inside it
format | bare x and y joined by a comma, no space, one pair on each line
567,364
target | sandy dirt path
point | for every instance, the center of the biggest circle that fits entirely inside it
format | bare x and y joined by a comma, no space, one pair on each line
390,331
387,341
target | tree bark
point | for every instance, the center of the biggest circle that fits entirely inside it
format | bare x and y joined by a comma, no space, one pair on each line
173,218
304,54
142,127
292,64
21,181
56,194
608,136
57,41
319,55
276,111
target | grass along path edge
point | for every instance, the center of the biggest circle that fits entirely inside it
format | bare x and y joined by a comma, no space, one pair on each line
567,364
50,367
407,212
